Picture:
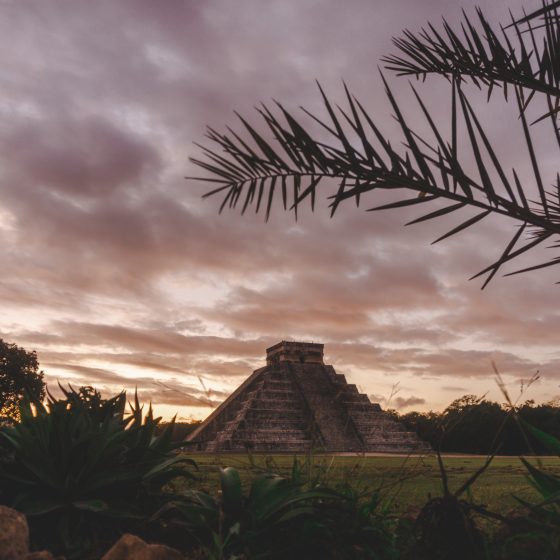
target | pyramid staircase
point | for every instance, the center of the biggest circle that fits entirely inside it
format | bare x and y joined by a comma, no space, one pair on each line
296,404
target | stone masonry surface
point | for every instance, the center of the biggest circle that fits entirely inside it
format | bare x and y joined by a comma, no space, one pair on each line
297,404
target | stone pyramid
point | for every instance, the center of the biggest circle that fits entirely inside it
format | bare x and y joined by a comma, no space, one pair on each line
296,403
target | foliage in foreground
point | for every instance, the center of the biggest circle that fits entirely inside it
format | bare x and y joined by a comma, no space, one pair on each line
305,516
283,517
84,472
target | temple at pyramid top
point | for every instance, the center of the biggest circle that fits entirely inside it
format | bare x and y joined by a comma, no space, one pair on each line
301,352
295,404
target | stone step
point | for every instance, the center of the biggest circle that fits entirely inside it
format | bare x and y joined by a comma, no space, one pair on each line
351,389
275,404
273,424
277,376
370,414
274,414
381,439
354,399
277,382
387,424
397,449
295,446
337,378
294,407
281,441
359,408
384,432
279,394
270,435
397,438
373,428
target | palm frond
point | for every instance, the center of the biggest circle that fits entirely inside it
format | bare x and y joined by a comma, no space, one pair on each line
546,10
351,148
489,57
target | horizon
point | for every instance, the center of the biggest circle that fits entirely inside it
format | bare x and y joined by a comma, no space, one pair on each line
392,402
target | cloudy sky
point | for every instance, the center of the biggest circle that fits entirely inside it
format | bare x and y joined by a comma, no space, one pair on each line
120,275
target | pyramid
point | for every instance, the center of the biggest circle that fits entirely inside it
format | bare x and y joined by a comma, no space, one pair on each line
295,404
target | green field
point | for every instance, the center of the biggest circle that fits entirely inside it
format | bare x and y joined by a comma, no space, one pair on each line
405,483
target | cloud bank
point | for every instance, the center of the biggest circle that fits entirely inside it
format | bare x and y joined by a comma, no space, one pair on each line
119,274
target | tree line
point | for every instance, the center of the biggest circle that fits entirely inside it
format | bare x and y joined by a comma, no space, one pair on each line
476,425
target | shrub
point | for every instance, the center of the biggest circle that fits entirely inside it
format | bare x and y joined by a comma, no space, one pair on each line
19,375
83,472
281,517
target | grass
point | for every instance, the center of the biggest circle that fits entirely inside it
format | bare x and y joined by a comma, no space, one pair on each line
404,482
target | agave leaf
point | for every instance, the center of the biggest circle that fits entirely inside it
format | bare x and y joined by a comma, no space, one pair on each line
232,494
170,474
37,506
546,484
303,510
122,510
95,506
10,435
548,440
271,494
193,510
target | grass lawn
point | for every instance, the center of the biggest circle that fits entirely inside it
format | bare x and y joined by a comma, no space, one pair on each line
404,482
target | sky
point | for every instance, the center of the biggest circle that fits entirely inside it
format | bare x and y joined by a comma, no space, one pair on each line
121,276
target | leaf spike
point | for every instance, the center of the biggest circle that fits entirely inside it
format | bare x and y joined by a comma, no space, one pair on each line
463,226
438,213
552,262
536,172
503,257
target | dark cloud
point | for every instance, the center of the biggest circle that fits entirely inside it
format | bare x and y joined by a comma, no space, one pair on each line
170,391
87,157
402,402
454,388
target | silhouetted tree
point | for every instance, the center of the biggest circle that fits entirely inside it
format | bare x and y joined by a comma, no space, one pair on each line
522,60
19,376
181,430
473,425
426,424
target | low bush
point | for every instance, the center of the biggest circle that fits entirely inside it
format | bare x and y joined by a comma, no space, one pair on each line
281,517
83,471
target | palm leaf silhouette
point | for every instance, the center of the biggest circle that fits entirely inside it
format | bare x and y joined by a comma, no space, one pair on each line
250,169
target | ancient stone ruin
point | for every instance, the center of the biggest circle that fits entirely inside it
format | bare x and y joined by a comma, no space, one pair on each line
296,403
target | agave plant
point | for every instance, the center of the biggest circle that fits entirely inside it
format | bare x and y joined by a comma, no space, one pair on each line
82,471
282,517
521,60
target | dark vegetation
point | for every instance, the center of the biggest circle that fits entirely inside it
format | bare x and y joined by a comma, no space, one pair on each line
179,430
84,471
471,425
